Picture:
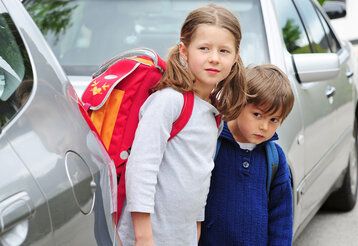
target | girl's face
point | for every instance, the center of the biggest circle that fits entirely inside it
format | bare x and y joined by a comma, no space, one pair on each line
210,56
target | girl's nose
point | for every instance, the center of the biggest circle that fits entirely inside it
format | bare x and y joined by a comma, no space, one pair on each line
214,57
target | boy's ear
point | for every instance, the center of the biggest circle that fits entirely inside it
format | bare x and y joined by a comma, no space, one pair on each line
183,51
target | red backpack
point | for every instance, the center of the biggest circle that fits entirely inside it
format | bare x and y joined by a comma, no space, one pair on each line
113,99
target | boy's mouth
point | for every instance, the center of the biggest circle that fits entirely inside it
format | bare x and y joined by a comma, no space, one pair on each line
259,136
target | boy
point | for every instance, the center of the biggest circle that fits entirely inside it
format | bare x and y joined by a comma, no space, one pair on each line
239,211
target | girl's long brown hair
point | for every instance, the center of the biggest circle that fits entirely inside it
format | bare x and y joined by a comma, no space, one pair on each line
229,96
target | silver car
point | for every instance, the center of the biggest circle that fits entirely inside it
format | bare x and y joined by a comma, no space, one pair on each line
55,176
319,136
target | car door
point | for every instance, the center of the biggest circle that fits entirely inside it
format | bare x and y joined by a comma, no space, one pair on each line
320,128
316,107
303,33
23,208
56,146
24,214
343,99
323,168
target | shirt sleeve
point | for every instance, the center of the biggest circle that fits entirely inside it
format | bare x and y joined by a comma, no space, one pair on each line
281,205
156,118
201,215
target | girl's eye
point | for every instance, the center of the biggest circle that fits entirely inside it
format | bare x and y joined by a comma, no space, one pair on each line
204,48
225,51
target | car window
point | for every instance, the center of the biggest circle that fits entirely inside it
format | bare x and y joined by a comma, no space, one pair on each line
85,33
16,78
293,31
332,40
314,27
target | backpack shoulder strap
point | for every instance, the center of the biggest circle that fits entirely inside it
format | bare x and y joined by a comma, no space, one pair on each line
218,120
185,114
272,163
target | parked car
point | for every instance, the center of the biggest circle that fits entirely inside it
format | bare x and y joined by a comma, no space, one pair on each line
55,175
319,136
345,26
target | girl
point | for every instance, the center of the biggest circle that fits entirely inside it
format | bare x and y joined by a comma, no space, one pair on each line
167,181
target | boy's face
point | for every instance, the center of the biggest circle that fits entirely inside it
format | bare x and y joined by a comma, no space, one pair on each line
254,125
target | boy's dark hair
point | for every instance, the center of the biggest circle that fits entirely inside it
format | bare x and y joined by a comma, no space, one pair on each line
269,88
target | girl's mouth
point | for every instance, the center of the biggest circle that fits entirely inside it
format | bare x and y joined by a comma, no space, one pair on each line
212,70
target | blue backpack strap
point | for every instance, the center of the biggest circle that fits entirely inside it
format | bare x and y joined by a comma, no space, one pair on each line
272,163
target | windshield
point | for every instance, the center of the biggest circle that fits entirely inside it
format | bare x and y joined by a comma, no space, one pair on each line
84,34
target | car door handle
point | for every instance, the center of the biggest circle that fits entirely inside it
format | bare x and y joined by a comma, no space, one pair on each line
330,91
14,209
349,74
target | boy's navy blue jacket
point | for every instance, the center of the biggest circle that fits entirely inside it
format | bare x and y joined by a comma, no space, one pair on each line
239,210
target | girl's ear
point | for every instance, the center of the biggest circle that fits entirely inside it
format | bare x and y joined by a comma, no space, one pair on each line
183,51
237,56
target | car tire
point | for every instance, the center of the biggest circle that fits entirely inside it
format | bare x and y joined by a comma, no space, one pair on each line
344,199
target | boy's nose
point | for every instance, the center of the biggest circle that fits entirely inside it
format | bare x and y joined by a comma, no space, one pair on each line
264,125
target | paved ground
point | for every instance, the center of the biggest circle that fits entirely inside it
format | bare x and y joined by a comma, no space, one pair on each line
331,229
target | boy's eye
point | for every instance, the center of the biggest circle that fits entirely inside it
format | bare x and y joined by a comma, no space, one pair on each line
275,120
204,48
257,115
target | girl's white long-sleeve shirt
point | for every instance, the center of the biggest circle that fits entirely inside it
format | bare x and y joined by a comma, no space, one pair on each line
170,179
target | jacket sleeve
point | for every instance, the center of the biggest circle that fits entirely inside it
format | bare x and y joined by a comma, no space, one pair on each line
156,118
280,226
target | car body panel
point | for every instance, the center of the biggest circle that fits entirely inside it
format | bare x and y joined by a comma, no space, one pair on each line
61,155
26,230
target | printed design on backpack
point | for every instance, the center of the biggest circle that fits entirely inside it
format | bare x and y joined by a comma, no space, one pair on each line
98,90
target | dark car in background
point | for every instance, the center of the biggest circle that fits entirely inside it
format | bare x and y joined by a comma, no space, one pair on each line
319,136
55,175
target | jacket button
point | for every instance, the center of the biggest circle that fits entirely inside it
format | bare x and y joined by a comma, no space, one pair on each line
245,164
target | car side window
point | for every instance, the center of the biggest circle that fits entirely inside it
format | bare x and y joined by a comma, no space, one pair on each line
332,40
293,31
16,78
314,27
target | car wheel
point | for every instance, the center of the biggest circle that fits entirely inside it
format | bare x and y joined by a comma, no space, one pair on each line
344,199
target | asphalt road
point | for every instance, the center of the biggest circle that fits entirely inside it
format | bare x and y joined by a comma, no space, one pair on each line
330,228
